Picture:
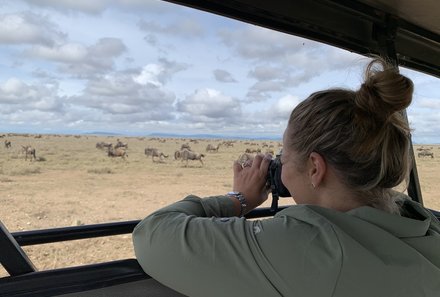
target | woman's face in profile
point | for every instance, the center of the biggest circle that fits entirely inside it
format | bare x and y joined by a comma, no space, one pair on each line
295,180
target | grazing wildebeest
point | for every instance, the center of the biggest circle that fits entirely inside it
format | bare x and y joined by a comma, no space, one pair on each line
7,143
102,145
252,151
121,144
185,146
188,155
116,152
153,152
211,148
425,153
228,143
29,151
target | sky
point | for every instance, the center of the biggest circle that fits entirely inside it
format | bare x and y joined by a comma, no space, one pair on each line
139,67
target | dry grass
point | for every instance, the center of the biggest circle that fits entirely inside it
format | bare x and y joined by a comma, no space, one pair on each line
75,183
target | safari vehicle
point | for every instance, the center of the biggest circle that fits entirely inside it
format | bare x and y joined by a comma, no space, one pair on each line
407,32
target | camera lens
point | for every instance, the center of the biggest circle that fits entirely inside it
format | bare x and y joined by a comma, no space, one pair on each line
274,178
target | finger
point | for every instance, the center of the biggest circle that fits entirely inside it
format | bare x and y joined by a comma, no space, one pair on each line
264,166
257,161
237,167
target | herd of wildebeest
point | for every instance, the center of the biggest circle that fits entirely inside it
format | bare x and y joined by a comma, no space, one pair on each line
185,153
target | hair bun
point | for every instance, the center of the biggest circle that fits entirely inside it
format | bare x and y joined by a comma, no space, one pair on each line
384,91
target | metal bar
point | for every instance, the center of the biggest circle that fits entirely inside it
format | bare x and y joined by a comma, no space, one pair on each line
73,233
42,236
12,256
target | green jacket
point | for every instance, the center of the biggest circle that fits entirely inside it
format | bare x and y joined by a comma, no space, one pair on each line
196,247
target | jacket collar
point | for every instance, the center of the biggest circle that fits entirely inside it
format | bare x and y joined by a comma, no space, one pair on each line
415,220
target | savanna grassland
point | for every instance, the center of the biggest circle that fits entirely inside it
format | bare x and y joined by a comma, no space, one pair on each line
71,183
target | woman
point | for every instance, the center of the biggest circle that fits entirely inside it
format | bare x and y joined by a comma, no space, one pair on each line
348,235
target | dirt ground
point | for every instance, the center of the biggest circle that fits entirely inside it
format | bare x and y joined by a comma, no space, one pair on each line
73,183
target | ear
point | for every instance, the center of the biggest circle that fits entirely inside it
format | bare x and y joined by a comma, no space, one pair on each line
317,169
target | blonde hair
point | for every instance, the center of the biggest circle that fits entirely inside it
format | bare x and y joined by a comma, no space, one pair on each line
362,134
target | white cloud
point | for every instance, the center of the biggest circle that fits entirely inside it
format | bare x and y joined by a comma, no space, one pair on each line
282,61
81,60
66,53
122,98
160,73
253,43
28,28
149,75
262,90
107,47
223,76
210,104
24,96
36,117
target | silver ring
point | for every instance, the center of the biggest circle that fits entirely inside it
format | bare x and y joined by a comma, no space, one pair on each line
245,164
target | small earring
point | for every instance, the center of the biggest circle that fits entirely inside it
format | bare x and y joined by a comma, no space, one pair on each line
313,185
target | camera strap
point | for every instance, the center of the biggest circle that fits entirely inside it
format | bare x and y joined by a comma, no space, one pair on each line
275,195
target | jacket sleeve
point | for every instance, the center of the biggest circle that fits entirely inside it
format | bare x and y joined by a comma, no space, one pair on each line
192,242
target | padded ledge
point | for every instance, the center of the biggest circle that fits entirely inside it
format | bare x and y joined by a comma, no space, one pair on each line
143,288
72,279
435,213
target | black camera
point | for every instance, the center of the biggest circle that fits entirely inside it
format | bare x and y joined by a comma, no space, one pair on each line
274,182
274,178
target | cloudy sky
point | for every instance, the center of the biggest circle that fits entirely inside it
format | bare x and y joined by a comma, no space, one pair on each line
138,67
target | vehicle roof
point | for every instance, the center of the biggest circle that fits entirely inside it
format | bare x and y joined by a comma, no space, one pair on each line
408,28
424,14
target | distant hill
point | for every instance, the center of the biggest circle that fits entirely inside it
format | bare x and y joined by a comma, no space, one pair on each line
212,136
102,133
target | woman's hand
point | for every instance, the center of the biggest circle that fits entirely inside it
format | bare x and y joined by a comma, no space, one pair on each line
250,179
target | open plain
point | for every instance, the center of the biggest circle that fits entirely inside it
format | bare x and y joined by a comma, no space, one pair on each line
71,182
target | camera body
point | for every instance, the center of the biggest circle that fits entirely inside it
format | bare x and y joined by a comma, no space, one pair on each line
274,179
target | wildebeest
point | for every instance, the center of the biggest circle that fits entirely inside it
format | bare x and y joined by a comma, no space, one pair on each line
29,151
102,145
116,152
154,152
7,143
211,148
252,151
228,143
188,155
425,153
185,146
121,144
